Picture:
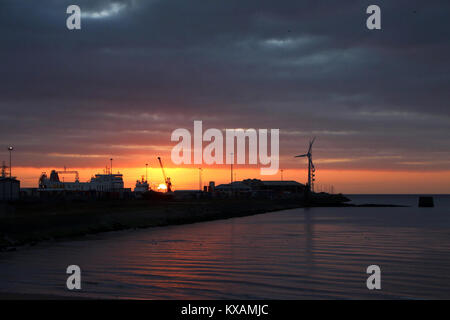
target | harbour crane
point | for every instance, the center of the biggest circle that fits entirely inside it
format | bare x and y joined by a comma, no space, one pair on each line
311,168
77,177
166,179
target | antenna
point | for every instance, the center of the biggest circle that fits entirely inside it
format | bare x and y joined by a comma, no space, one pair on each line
10,149
232,160
3,170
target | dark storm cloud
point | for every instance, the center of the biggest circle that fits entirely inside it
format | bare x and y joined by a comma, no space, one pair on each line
306,67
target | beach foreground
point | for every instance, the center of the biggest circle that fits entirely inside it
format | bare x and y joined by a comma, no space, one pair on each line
303,253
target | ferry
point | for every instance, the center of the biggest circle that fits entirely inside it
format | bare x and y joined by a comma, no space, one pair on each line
107,182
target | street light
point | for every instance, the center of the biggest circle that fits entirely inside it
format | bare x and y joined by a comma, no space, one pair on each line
200,184
232,160
10,149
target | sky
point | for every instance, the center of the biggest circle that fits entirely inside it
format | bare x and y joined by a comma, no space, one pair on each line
377,100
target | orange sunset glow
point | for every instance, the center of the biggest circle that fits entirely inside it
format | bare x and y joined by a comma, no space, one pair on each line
378,109
343,181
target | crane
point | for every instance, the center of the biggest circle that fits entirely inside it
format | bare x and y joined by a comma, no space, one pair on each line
77,178
166,179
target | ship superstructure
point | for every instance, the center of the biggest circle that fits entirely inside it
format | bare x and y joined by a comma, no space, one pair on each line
108,182
141,186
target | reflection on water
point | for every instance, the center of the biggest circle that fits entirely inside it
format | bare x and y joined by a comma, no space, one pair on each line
309,240
292,254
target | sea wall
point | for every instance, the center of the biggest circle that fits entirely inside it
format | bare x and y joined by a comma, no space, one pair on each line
29,223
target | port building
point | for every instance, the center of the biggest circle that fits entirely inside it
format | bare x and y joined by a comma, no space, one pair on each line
9,189
256,185
9,186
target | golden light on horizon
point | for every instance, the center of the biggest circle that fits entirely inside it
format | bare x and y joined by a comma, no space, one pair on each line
345,181
162,187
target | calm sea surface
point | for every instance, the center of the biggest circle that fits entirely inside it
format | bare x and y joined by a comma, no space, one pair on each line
291,254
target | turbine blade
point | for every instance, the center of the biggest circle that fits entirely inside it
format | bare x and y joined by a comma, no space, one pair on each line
310,144
302,155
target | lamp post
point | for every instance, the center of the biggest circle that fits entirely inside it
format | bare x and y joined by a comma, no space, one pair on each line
200,179
10,149
231,166
146,166
111,165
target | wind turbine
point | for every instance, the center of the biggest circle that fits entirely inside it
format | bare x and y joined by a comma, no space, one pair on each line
311,168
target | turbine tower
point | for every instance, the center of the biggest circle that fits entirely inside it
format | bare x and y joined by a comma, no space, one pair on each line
311,168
